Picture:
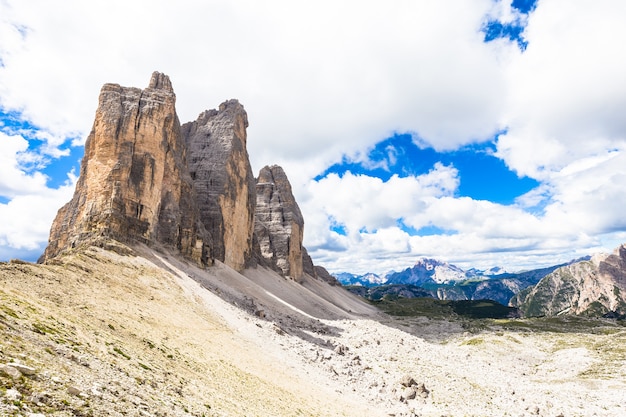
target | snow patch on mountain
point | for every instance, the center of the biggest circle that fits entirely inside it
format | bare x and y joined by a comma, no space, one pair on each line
424,271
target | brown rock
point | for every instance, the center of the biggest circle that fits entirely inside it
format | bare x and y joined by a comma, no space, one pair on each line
223,180
134,184
279,225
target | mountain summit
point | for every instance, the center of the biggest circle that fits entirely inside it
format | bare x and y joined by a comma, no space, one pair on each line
134,184
147,179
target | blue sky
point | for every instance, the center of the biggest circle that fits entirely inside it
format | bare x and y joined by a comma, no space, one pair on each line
479,132
483,176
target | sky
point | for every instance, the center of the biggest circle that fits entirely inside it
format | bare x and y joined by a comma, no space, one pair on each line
478,132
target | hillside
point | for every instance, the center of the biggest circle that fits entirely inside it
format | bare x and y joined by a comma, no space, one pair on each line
135,332
592,287
110,334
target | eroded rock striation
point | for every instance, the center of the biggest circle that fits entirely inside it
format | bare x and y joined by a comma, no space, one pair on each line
592,287
279,223
134,184
145,178
223,180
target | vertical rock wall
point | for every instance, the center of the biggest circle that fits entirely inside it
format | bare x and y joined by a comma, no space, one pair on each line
223,181
146,178
133,184
279,223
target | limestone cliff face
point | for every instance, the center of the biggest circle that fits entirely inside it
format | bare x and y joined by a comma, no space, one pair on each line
223,180
279,224
594,287
145,178
134,184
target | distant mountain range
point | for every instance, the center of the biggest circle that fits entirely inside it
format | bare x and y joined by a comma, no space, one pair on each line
445,281
424,271
591,286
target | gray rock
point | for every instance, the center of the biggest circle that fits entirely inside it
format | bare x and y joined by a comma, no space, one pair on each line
422,391
340,350
407,381
279,225
25,370
12,394
223,181
409,393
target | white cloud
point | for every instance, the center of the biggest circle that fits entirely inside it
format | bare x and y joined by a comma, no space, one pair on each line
567,90
14,180
316,78
581,213
325,79
30,204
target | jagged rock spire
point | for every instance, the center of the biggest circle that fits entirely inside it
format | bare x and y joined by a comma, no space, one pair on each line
279,223
145,178
160,81
134,184
223,181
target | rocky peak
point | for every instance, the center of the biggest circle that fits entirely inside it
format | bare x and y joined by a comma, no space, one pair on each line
160,81
223,181
592,287
133,184
145,178
279,223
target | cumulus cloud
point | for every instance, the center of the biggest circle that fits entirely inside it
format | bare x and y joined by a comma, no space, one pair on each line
318,78
30,204
382,223
566,92
325,80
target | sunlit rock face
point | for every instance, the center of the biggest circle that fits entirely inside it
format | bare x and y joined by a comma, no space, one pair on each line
134,184
223,181
279,223
592,287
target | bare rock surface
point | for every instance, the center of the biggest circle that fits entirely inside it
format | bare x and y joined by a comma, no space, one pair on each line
279,225
593,287
223,180
142,334
134,184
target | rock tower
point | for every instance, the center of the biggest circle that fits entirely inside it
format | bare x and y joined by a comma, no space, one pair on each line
134,184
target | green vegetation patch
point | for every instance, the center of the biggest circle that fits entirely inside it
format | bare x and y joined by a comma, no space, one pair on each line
433,308
121,352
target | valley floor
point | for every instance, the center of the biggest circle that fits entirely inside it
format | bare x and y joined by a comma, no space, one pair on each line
123,335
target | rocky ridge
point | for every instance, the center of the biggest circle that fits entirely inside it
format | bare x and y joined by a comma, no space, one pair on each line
145,178
591,287
279,224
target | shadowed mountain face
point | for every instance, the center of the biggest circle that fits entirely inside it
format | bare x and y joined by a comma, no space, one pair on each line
223,181
279,223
